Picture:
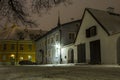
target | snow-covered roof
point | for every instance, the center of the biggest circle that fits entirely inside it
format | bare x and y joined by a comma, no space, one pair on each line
108,20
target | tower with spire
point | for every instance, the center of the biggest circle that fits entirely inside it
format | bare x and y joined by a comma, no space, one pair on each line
58,24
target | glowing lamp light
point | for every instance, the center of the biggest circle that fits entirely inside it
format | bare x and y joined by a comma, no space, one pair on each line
57,46
21,58
12,55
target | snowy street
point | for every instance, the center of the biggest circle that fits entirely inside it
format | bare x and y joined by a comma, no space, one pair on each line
59,73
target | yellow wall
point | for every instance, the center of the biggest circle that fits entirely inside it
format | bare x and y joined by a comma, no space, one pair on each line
6,54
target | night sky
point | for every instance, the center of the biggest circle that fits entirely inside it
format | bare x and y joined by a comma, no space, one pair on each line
68,13
74,11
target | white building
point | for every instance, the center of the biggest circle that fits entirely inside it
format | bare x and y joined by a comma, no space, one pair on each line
98,39
51,47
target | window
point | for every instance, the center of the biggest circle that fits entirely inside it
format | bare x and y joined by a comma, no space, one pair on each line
77,24
30,46
29,57
72,36
21,47
4,46
52,40
91,32
87,33
12,46
57,37
48,41
4,57
48,53
21,58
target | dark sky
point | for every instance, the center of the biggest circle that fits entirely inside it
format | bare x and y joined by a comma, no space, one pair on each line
75,11
48,21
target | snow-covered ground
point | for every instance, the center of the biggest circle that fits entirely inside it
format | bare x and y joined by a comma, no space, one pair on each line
79,72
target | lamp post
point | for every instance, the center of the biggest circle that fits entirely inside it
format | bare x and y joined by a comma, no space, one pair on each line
16,52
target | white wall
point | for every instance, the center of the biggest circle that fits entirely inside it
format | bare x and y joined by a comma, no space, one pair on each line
64,52
108,43
52,50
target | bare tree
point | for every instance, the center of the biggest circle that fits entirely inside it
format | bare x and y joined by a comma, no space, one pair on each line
39,5
15,11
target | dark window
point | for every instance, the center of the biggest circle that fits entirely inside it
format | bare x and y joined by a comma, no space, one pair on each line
71,36
57,37
52,40
4,46
21,47
30,46
48,41
91,31
12,46
77,25
87,33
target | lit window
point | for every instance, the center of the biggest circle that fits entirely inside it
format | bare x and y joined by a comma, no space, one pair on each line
12,56
29,57
21,58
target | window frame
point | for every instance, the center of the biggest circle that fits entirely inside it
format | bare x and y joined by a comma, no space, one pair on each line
71,35
92,31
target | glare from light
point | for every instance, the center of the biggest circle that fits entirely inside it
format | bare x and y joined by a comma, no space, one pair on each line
57,46
12,55
21,58
29,57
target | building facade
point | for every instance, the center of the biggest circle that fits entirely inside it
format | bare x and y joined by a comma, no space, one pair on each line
98,39
17,44
55,40
13,51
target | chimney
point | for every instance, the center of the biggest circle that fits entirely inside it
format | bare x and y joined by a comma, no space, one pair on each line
110,9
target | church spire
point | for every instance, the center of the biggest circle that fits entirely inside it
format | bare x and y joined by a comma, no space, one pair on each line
58,24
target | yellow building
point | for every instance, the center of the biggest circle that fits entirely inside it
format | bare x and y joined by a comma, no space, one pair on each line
13,51
17,44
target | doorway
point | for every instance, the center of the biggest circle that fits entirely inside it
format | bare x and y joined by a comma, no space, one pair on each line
81,53
70,56
95,52
118,51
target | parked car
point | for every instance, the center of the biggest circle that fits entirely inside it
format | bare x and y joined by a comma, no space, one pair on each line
26,62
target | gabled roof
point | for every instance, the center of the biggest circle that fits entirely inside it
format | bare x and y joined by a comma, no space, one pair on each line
57,28
110,22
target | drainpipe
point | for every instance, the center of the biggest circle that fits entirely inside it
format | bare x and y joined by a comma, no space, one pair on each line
60,47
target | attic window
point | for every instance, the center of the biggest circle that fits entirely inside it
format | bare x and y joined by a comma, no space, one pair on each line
90,32
71,36
77,25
